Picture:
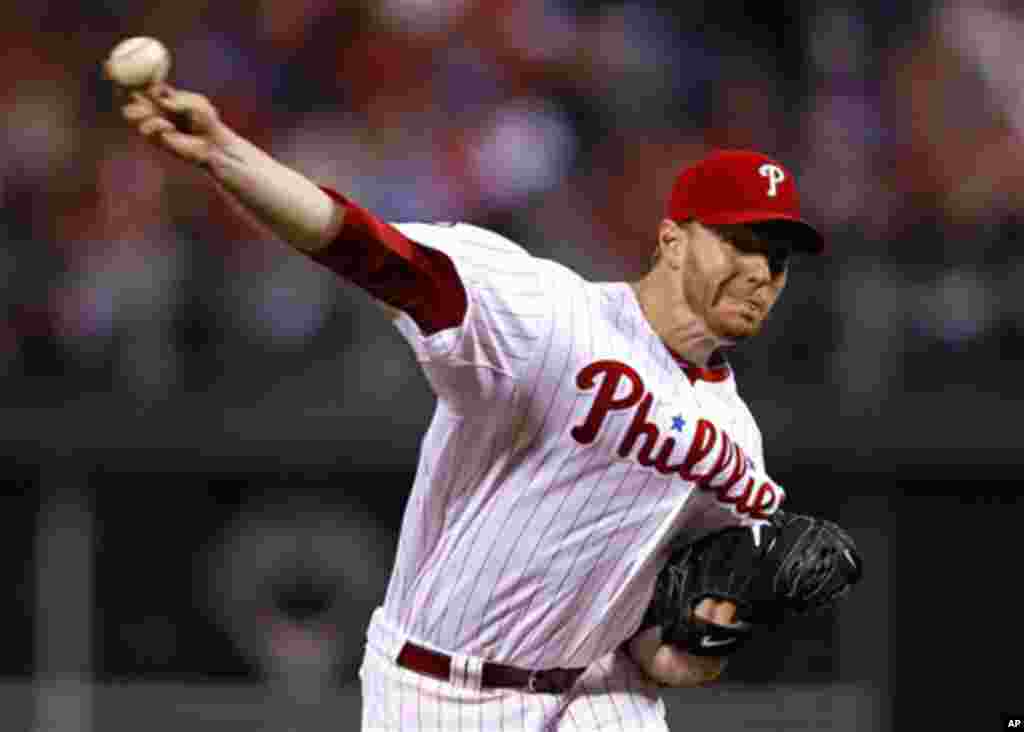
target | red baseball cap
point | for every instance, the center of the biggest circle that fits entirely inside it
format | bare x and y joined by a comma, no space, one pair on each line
742,187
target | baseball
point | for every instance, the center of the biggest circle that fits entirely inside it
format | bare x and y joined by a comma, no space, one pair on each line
138,62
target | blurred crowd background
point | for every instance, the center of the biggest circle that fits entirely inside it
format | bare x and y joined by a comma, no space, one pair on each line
216,436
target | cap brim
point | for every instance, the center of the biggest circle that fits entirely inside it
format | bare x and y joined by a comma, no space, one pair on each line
803,236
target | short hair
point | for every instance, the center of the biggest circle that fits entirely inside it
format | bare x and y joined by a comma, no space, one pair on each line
740,234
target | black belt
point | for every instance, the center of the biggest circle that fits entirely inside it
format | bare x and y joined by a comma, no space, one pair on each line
493,675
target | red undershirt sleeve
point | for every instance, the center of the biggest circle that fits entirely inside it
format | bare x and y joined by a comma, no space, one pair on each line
394,269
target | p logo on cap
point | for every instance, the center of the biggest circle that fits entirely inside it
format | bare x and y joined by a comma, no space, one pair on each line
774,174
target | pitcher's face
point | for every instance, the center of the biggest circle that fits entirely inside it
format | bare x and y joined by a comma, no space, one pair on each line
733,278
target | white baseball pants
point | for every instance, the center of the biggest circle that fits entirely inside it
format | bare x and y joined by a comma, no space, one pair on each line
612,695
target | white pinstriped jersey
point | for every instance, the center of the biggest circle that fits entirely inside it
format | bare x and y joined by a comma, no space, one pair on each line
564,454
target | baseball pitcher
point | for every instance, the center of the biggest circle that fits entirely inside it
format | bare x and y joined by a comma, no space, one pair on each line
585,434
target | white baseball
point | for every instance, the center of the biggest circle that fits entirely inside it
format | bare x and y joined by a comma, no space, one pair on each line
138,62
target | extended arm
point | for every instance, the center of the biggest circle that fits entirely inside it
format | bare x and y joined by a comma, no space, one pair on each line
325,225
289,204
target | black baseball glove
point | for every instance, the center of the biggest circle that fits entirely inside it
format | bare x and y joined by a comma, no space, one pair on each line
789,564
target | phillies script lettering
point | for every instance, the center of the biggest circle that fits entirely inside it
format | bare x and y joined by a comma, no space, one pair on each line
710,458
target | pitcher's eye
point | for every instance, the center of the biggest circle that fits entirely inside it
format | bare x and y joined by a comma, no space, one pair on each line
778,259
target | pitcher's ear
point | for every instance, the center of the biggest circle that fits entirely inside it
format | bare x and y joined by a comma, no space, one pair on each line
672,239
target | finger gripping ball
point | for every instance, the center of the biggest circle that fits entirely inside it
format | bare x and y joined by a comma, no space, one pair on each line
138,62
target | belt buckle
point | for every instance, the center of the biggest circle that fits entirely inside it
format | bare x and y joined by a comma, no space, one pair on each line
531,682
